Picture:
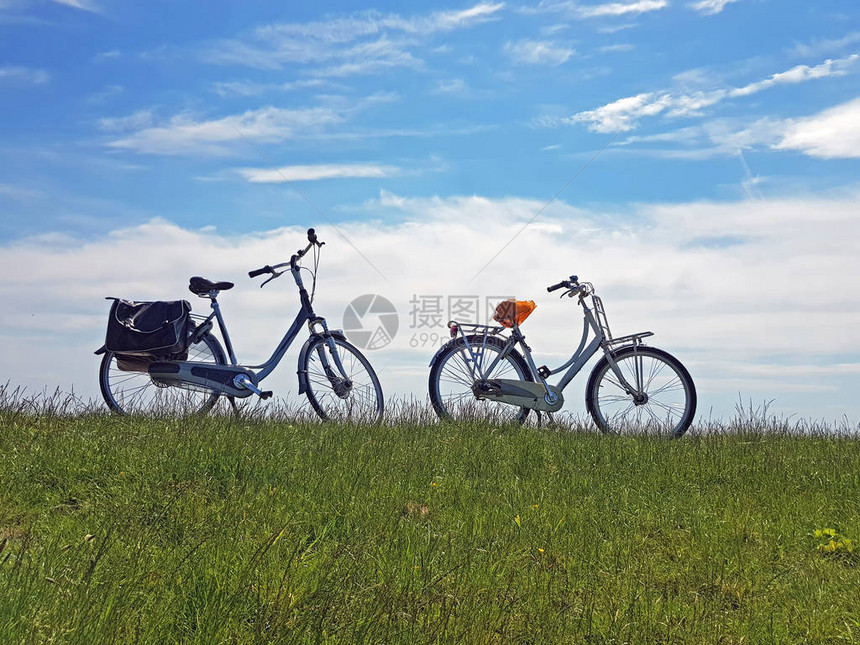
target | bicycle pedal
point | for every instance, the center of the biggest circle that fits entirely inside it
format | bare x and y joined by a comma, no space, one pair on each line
544,371
266,395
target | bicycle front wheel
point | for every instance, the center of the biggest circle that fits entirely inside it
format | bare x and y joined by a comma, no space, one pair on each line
664,401
357,397
127,387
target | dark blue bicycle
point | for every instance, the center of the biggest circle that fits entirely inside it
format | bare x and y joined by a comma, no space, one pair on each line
337,379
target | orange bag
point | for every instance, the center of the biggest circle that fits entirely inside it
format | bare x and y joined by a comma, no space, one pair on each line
512,311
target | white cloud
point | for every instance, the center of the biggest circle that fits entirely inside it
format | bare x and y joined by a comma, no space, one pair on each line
23,75
315,172
360,43
711,7
823,46
618,48
441,21
731,288
111,54
831,134
106,94
539,52
18,193
800,74
371,57
621,8
136,121
452,86
576,9
189,134
83,5
370,23
229,89
614,29
459,88
624,114
183,134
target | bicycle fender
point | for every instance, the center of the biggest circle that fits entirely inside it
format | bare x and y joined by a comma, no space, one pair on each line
303,355
438,352
454,341
100,350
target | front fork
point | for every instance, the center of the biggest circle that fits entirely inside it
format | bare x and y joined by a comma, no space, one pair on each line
341,384
640,397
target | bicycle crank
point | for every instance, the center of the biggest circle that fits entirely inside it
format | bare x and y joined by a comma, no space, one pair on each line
520,393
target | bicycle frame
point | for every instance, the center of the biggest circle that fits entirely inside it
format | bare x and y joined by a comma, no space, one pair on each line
304,315
248,377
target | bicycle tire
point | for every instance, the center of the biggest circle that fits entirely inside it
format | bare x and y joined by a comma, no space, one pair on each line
456,401
670,402
361,401
135,392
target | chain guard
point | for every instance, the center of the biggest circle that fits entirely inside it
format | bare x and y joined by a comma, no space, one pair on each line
520,393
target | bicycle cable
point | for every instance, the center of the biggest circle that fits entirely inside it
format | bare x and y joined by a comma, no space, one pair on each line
314,272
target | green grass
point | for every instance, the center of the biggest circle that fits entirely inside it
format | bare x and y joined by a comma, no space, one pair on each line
221,530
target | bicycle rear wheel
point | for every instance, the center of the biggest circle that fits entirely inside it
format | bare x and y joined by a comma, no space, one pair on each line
128,388
356,398
665,402
452,378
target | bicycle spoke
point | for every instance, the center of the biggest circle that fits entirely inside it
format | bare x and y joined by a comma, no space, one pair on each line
457,374
671,386
675,410
460,397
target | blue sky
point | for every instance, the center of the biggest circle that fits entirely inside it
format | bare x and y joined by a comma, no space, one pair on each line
728,134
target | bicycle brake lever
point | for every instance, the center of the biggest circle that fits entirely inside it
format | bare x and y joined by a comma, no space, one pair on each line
275,274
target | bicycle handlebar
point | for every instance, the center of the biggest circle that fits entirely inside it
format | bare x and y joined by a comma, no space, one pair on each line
572,281
312,241
558,286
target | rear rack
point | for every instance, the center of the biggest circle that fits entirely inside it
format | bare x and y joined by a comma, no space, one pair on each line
476,328
636,338
476,351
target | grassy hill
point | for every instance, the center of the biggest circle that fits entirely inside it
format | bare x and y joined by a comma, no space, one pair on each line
222,530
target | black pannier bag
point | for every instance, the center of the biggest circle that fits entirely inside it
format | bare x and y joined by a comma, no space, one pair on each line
139,332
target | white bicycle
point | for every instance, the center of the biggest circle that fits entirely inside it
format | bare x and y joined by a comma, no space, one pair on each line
633,387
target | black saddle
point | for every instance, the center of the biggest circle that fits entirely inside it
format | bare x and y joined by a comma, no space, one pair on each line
203,287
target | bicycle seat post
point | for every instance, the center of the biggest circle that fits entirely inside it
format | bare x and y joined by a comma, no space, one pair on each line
213,297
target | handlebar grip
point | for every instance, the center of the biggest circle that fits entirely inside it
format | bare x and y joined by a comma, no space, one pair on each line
256,272
558,286
312,236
